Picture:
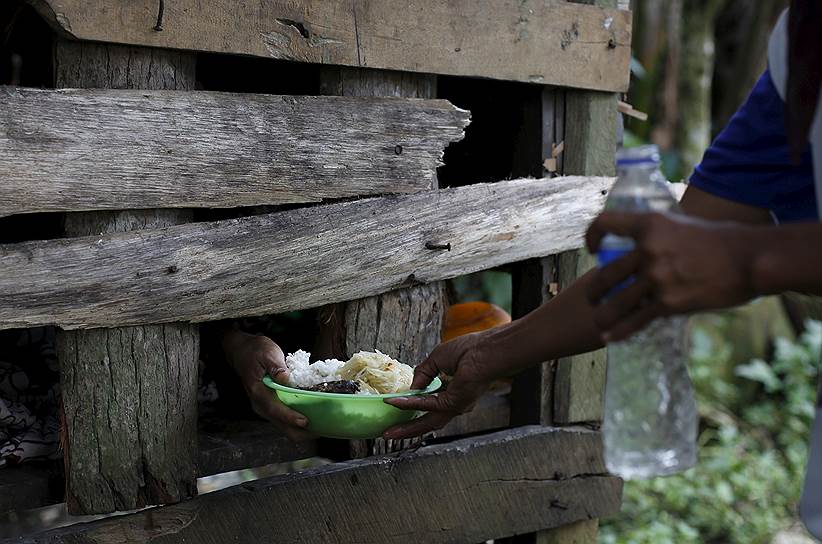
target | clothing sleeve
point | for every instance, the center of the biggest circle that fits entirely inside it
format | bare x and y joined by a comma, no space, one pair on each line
749,161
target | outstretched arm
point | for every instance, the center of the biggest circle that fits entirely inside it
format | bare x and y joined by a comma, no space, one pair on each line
564,326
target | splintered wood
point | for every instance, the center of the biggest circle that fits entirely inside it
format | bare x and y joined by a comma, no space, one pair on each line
308,257
122,149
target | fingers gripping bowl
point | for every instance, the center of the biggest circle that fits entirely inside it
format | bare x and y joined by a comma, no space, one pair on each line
360,412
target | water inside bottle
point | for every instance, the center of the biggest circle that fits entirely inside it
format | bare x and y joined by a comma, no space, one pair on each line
650,421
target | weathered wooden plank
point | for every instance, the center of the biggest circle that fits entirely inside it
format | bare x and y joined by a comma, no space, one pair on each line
71,150
292,259
521,40
405,322
579,379
465,491
129,395
590,144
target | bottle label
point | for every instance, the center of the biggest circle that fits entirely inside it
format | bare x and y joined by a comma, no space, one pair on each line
607,255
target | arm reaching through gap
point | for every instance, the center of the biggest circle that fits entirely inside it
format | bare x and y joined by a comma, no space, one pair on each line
563,326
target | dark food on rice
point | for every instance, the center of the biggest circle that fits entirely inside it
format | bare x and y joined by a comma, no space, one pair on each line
338,386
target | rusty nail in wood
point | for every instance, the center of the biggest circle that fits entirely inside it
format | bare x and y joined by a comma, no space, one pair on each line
611,44
433,246
159,26
398,149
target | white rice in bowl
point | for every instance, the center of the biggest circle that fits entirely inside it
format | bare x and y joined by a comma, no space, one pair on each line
375,372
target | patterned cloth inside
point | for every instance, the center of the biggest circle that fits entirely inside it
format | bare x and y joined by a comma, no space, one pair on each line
29,396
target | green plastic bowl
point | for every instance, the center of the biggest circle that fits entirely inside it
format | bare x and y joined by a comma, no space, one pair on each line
337,415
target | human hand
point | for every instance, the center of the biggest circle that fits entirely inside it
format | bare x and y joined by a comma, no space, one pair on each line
252,357
464,359
679,265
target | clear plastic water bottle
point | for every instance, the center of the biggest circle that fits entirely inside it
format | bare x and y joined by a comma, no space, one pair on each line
650,422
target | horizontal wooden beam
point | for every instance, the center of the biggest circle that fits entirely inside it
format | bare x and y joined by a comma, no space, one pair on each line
470,490
294,259
72,150
553,43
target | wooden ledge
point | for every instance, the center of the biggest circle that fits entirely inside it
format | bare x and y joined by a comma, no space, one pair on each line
492,486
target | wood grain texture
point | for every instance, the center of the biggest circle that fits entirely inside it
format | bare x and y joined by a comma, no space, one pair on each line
292,259
122,149
405,322
520,40
129,395
579,379
464,491
590,144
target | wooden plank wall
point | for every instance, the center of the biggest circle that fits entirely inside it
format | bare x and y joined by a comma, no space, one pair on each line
310,256
569,390
469,490
129,395
405,323
534,41
74,150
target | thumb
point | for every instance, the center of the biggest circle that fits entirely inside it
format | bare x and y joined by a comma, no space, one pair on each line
273,361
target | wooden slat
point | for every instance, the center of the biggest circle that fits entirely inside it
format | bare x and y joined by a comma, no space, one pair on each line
520,40
293,259
129,395
465,491
71,150
405,322
590,144
224,445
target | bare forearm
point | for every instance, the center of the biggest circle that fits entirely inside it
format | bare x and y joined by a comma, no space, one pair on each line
787,258
561,327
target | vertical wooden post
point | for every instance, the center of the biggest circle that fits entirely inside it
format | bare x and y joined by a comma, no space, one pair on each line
405,323
129,394
532,390
590,144
569,390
